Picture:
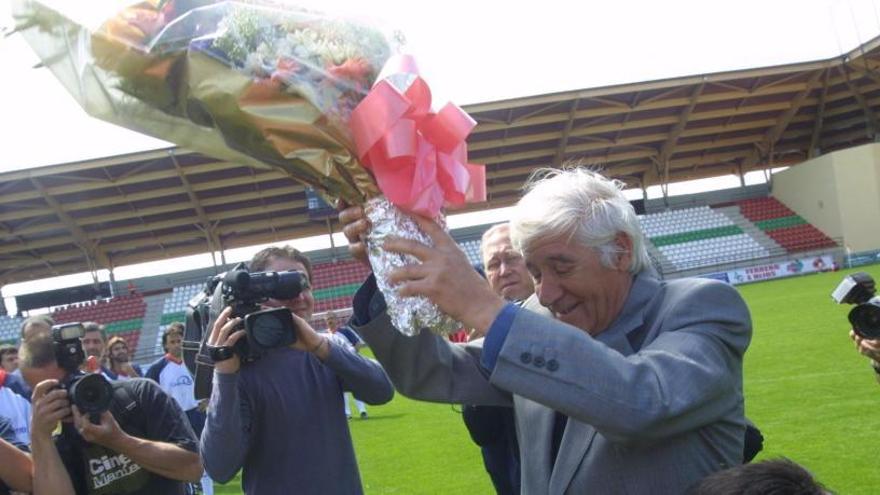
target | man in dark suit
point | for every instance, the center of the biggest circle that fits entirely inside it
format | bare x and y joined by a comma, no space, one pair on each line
621,382
493,428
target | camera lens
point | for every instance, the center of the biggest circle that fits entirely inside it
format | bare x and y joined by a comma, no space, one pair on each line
269,331
92,394
865,319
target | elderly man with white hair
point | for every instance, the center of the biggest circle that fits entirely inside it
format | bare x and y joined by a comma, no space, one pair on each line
621,382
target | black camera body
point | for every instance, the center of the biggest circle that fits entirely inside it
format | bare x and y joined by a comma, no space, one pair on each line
859,289
268,328
243,290
90,392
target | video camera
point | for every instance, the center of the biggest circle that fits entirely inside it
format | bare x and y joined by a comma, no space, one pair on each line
859,289
90,392
243,291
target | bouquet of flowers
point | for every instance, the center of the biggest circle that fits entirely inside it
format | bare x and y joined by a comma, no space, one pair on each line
327,100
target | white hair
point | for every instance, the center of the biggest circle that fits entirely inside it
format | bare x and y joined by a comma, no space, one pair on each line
583,206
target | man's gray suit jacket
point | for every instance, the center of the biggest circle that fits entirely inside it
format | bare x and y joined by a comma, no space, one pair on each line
654,402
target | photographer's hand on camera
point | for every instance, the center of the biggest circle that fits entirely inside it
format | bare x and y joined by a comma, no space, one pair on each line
107,432
868,348
307,339
224,334
50,405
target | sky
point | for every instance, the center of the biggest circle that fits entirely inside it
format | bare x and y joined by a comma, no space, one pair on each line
471,52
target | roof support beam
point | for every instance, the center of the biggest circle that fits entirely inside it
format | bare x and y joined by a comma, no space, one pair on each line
563,141
205,223
820,116
870,119
775,132
668,147
89,247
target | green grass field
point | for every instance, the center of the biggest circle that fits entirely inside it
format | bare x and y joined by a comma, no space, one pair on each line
814,398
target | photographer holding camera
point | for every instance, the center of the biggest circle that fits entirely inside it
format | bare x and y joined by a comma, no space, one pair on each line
124,437
279,417
859,290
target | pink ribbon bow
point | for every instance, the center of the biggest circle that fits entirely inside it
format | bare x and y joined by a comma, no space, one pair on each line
419,157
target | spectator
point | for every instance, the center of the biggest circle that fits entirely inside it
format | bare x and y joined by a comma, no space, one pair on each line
35,325
176,380
493,428
119,359
94,344
16,466
8,358
350,339
15,405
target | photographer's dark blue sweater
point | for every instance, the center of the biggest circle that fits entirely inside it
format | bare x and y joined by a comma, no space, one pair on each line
281,420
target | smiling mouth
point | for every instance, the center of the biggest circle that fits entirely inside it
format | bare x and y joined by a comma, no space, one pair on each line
561,313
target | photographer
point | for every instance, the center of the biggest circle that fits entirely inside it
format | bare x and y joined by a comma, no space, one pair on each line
142,445
869,348
860,290
280,417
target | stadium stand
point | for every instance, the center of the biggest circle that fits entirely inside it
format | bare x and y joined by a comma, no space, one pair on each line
472,250
699,237
9,329
784,226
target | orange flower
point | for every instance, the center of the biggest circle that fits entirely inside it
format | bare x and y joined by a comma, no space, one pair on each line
354,69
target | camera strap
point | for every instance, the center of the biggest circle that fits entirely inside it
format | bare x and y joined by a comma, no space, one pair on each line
126,411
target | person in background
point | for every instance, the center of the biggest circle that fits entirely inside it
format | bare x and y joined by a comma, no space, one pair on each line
351,339
493,428
119,361
94,342
16,467
8,358
175,379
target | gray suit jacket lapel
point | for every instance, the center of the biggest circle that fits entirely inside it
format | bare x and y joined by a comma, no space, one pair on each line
575,442
579,436
536,430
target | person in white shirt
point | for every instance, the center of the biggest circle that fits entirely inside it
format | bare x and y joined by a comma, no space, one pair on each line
172,375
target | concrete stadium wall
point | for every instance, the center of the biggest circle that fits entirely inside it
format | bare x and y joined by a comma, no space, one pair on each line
839,193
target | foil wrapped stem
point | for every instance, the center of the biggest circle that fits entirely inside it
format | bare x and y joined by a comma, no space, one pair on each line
408,314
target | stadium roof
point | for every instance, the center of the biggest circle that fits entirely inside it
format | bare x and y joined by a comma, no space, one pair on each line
115,211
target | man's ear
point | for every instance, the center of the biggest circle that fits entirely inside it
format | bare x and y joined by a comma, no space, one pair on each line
624,257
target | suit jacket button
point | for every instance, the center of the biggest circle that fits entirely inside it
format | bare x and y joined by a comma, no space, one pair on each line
552,365
525,357
538,362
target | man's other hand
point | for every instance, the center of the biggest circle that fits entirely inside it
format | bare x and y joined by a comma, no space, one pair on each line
355,226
